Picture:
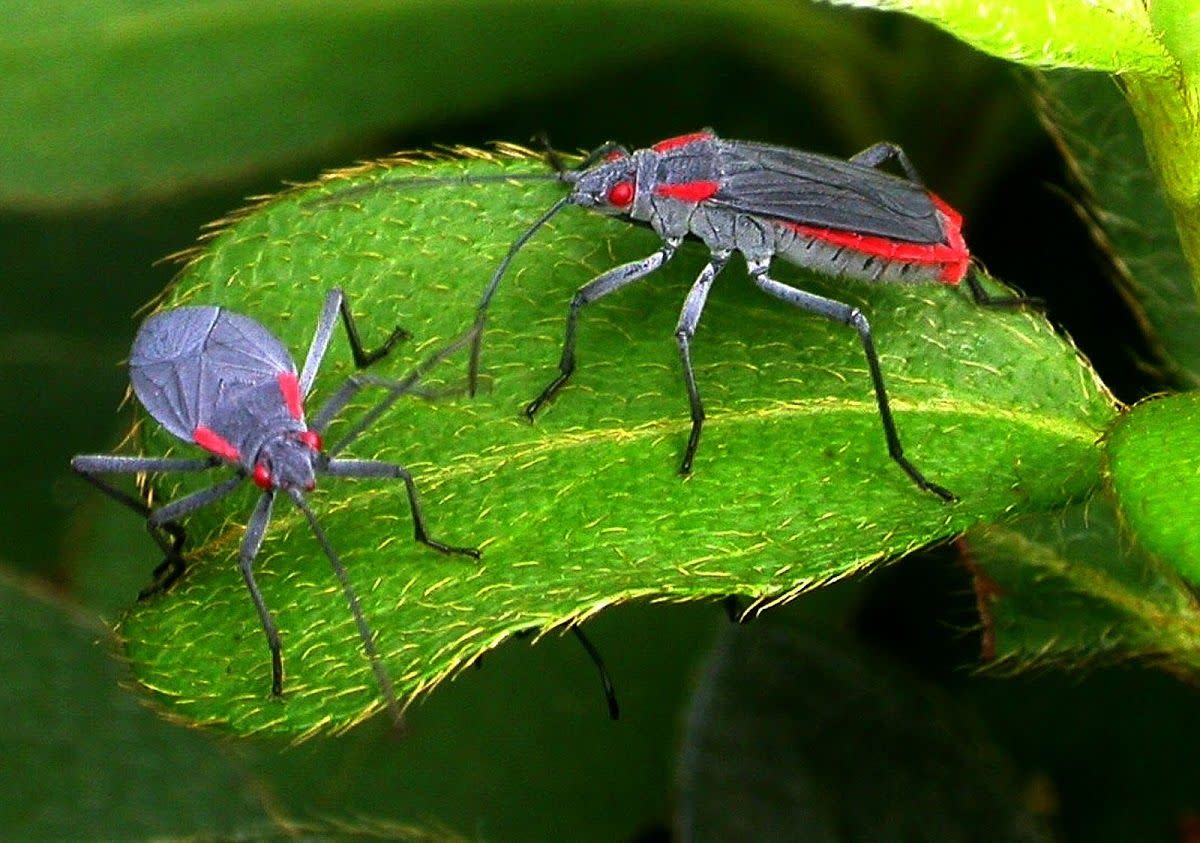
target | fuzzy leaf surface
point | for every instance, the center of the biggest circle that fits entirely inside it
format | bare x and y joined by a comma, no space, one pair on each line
584,509
1126,211
1154,465
1068,589
1114,35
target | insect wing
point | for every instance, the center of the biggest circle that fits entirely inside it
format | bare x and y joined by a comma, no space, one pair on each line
822,192
187,363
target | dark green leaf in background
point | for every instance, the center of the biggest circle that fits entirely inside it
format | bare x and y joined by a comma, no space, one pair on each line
797,733
111,100
1124,207
81,758
167,93
1068,590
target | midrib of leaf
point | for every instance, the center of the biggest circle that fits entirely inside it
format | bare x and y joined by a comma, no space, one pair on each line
530,452
1184,628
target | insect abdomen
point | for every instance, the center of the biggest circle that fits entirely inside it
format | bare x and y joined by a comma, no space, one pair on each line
869,258
842,261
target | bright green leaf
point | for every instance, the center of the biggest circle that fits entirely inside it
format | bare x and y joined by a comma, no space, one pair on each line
1114,35
1165,108
465,762
1154,464
1179,23
793,486
1067,589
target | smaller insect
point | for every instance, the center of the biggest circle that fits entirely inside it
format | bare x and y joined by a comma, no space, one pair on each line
846,219
223,382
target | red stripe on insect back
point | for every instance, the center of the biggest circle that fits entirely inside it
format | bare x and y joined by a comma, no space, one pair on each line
215,443
687,191
952,223
682,140
952,256
290,387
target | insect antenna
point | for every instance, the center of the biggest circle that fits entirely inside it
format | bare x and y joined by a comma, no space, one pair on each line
476,332
397,389
364,630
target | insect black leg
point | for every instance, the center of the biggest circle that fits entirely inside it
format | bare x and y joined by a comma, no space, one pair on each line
168,535
984,299
689,318
880,153
852,316
375,468
197,500
605,283
335,303
256,528
732,604
610,694
165,518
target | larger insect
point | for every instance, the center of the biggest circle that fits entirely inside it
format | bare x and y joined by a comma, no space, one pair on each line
841,218
224,383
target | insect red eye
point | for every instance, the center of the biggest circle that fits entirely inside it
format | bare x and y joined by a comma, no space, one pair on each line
262,476
312,439
621,194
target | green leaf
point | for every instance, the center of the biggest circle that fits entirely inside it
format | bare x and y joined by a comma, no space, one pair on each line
793,485
797,733
1124,207
1154,466
1114,35
503,750
93,763
109,99
466,760
1069,590
1165,110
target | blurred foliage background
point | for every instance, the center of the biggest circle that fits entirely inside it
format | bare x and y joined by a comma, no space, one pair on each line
126,126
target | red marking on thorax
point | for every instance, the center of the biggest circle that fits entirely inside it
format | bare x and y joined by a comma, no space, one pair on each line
688,191
952,255
312,439
682,140
215,443
290,387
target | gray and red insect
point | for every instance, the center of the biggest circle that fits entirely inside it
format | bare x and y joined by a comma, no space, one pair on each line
223,382
840,218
